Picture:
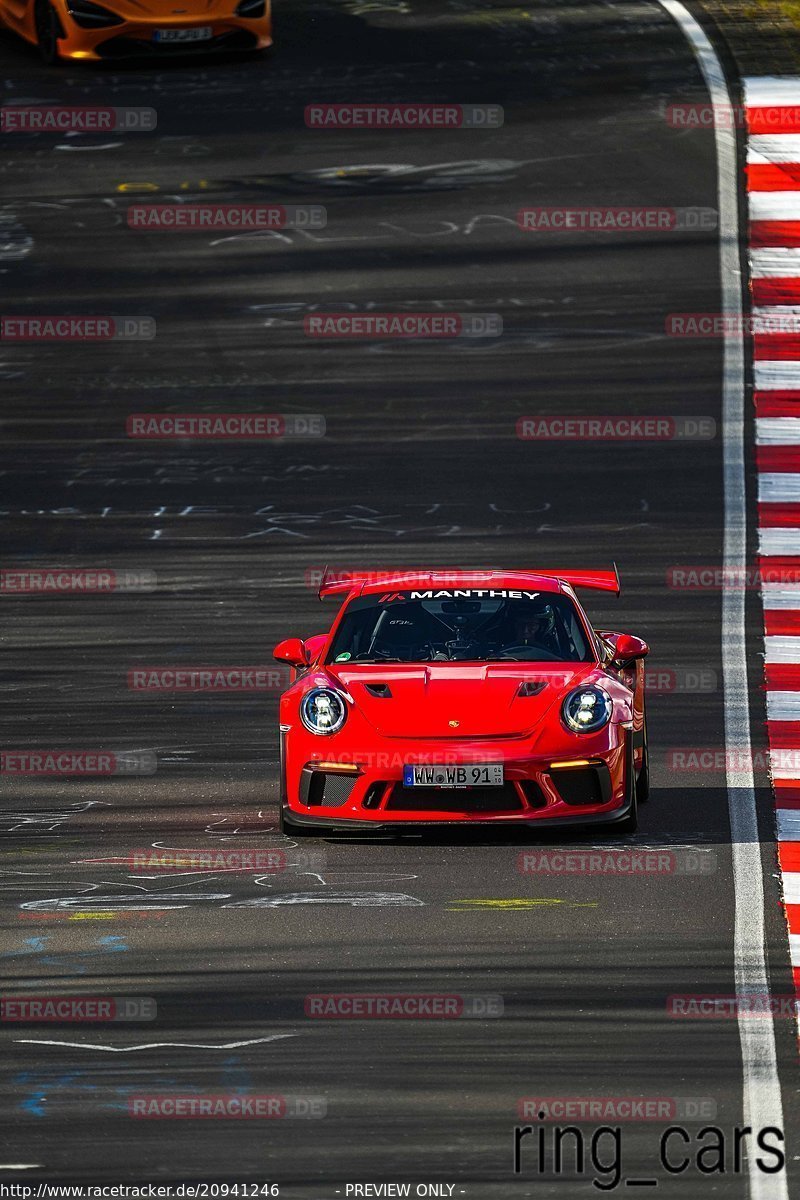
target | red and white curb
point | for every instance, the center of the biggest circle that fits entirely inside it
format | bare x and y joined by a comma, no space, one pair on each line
773,195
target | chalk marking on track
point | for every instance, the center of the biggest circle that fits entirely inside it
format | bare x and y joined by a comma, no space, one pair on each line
274,1037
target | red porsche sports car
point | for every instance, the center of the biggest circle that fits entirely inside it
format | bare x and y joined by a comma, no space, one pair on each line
463,697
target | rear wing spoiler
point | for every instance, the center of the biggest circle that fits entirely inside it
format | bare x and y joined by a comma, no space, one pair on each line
599,581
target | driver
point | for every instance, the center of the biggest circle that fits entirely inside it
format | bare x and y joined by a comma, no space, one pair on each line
534,626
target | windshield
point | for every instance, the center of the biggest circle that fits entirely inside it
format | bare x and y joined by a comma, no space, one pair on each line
481,625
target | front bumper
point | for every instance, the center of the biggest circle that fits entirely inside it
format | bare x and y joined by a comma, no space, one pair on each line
538,789
341,825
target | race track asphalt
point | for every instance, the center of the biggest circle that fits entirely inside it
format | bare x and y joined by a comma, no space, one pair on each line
420,466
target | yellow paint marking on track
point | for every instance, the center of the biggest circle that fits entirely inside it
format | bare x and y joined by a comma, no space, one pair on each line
498,16
144,186
122,915
92,916
519,903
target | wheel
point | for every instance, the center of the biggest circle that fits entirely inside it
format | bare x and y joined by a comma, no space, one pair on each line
631,822
47,33
643,778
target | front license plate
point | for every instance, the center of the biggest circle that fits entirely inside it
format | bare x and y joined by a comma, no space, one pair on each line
201,34
474,775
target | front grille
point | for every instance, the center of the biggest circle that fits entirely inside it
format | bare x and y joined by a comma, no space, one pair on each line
497,799
128,47
583,785
321,790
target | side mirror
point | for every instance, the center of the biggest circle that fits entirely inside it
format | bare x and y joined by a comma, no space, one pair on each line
628,647
291,651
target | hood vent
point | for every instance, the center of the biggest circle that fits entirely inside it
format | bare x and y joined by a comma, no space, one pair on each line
532,687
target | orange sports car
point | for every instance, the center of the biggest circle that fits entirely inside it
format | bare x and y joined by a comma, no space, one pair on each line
82,29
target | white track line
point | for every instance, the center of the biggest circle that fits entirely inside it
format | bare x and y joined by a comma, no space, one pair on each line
784,763
781,541
774,206
774,148
761,1086
775,262
782,648
775,318
778,431
783,706
781,595
791,887
761,91
774,312
788,824
779,487
776,374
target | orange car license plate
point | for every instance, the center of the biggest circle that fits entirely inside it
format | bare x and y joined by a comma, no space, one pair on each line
201,34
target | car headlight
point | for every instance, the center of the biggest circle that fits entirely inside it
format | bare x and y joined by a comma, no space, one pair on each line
91,16
587,709
323,710
251,8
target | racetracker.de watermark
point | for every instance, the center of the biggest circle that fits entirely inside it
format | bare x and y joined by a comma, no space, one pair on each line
620,219
71,581
733,579
713,325
167,218
404,116
666,680
767,118
785,763
76,329
77,1009
207,679
383,760
231,1106
262,861
60,118
616,1108
622,429
401,1006
224,426
314,576
731,1007
402,325
77,762
617,862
